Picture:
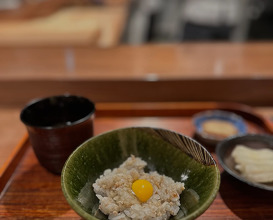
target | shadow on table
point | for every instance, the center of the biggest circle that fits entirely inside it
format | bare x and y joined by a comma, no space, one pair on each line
245,201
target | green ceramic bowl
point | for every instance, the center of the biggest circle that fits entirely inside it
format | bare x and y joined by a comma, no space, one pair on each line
167,152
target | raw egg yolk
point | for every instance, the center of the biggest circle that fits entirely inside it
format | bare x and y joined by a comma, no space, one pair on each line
143,189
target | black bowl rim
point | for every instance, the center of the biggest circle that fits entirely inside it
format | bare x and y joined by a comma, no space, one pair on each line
223,146
34,101
193,215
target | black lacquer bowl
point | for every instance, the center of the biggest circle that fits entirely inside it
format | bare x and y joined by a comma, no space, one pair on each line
255,141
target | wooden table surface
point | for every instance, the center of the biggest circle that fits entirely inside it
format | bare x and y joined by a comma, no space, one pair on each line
146,62
165,72
34,193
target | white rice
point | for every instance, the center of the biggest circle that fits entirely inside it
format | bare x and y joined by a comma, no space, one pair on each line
117,200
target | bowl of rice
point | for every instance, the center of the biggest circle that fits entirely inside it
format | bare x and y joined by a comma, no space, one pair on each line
140,173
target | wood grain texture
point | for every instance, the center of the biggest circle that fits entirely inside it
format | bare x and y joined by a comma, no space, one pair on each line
10,153
9,164
184,90
35,193
150,61
148,73
11,136
259,116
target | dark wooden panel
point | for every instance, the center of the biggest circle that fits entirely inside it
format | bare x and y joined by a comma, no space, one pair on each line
252,92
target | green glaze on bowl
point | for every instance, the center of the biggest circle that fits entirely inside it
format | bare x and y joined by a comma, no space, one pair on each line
166,152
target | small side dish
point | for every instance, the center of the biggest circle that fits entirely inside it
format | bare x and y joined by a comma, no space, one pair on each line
127,192
248,158
214,126
254,164
219,128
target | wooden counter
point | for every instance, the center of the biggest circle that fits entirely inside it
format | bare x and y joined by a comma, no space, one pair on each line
230,72
145,62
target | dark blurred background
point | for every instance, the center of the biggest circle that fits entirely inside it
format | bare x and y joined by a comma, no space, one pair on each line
199,20
140,21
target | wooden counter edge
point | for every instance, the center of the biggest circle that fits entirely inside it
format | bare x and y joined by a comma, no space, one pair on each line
7,170
168,109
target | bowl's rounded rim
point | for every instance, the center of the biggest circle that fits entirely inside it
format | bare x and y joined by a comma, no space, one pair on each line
225,115
223,146
67,95
193,215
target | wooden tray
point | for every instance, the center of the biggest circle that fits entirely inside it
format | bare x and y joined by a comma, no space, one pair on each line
32,192
11,163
